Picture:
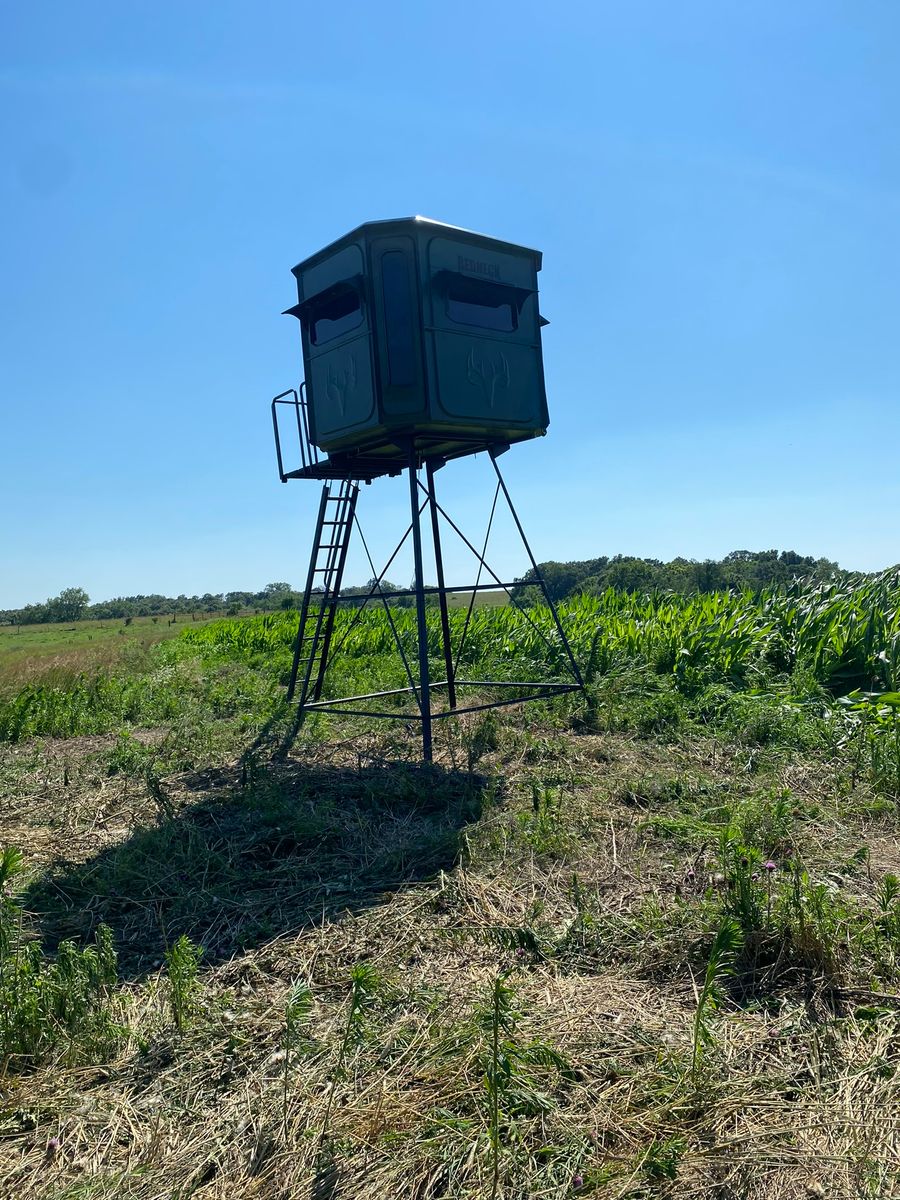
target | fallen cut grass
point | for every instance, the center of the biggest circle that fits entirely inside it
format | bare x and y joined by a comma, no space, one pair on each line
640,943
356,918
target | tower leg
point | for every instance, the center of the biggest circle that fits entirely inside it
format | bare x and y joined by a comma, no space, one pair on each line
424,681
442,593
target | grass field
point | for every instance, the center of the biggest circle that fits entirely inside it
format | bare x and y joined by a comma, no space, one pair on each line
28,652
487,598
641,942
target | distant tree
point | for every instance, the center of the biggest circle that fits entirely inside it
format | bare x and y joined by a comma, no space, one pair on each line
632,574
69,605
560,580
241,599
273,595
374,590
708,576
678,575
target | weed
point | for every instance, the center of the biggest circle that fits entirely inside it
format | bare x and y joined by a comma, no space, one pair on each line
543,827
509,1088
767,821
296,1015
661,1159
481,739
365,985
661,715
183,964
719,966
52,1008
128,757
874,720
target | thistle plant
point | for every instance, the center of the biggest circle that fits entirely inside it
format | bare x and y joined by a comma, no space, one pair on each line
501,1019
57,1007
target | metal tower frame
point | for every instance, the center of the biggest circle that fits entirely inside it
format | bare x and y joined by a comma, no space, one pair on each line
314,647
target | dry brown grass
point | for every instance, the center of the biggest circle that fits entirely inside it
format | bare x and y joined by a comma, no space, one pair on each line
798,1097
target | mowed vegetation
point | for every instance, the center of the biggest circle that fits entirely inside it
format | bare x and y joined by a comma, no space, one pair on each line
639,942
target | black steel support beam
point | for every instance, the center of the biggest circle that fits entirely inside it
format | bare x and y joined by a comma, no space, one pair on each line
442,590
543,586
450,589
435,684
421,622
549,693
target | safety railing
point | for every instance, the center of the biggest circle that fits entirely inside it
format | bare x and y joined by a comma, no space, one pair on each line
309,455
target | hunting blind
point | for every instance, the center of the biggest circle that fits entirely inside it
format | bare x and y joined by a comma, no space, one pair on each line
421,343
414,328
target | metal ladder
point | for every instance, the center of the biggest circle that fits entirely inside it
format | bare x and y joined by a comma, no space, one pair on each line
323,588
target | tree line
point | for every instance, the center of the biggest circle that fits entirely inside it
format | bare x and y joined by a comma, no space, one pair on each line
739,570
73,604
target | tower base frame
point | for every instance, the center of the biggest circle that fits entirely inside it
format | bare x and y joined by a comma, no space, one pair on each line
318,644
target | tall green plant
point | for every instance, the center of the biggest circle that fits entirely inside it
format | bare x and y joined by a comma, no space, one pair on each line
365,984
505,1062
59,1008
719,966
183,963
296,1014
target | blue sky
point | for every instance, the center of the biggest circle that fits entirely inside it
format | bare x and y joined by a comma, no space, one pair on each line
715,187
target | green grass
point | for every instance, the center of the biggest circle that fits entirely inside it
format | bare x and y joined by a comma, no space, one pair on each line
59,650
640,942
486,599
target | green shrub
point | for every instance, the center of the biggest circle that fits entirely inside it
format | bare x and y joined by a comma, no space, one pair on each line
52,1008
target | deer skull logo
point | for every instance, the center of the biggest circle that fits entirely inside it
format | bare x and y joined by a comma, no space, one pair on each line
341,384
492,376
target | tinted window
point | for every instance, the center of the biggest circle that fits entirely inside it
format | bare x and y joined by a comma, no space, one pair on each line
398,319
471,302
339,314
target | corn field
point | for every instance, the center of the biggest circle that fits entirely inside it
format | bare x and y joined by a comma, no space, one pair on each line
847,637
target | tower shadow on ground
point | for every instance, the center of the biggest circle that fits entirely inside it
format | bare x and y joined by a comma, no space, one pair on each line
238,858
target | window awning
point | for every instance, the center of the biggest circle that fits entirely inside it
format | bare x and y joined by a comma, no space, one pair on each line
334,290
